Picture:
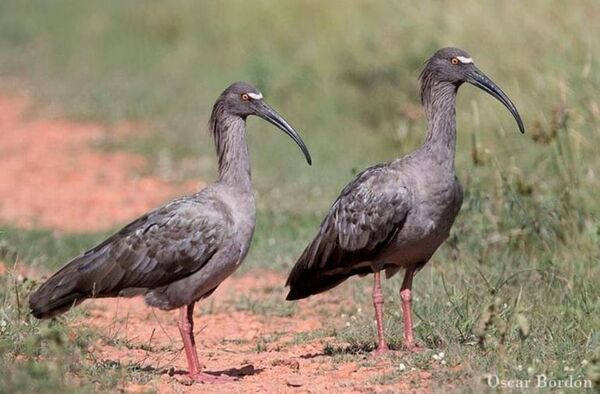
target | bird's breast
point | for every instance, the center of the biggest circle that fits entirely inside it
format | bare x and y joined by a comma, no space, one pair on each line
427,225
438,206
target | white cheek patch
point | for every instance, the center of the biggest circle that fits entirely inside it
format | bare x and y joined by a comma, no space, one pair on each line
256,96
465,60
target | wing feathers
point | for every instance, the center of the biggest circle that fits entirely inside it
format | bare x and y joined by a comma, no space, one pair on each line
365,217
159,248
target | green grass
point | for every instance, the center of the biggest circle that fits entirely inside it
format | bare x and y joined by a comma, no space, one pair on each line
43,249
49,357
523,255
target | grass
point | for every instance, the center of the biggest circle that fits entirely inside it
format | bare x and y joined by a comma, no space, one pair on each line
516,287
48,357
43,249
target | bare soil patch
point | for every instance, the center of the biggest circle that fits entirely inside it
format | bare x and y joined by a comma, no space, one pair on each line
262,351
52,177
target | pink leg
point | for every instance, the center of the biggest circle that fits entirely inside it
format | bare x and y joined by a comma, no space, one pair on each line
186,328
378,304
406,296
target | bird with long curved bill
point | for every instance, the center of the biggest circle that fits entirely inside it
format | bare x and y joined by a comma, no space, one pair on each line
395,215
179,253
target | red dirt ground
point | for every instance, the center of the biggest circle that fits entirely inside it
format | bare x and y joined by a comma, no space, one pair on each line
227,343
51,177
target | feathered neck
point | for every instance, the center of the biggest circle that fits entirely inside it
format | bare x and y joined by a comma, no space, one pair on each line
439,103
229,135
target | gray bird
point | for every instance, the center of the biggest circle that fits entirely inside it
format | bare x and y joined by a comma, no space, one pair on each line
395,215
179,253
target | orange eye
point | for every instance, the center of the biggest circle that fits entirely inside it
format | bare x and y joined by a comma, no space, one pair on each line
245,97
454,61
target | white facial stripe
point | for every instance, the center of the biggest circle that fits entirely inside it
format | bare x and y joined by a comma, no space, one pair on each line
465,60
256,96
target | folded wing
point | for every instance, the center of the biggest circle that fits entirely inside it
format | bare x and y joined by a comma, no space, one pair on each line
366,216
161,247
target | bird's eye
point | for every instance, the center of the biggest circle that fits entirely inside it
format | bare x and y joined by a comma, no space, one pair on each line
454,61
245,97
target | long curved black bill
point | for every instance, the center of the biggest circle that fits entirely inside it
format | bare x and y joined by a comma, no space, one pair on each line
271,116
479,79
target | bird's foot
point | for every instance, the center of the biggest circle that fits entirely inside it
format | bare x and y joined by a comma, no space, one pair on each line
381,351
203,377
414,348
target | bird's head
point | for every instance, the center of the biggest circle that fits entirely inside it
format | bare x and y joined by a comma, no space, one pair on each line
455,66
242,99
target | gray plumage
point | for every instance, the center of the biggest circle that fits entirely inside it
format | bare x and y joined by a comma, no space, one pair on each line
178,253
395,215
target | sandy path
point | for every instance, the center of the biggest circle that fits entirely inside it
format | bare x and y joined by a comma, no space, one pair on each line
51,177
227,343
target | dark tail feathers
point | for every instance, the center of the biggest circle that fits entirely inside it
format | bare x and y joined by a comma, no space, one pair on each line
59,293
308,285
